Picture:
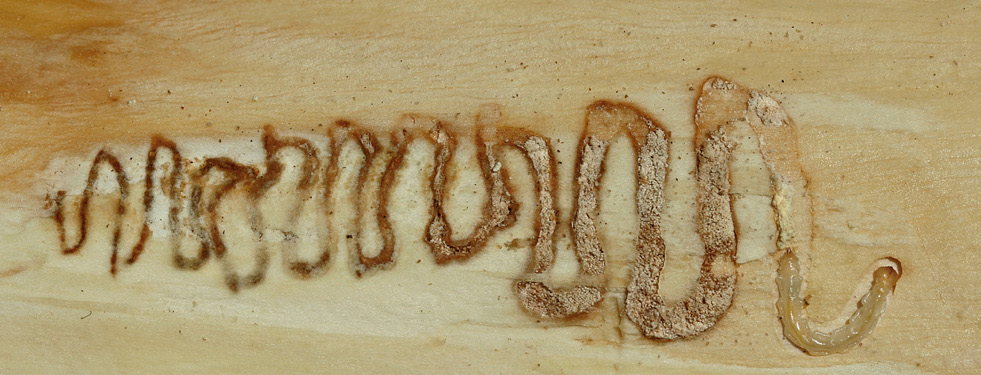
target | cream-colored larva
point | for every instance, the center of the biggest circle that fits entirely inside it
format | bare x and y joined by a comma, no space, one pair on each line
796,327
721,105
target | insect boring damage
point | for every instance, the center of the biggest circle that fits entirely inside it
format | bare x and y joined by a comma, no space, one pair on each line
219,207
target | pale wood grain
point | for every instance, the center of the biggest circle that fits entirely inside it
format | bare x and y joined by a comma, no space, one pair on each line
884,96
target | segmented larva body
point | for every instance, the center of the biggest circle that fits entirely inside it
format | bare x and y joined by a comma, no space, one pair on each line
194,217
722,103
798,330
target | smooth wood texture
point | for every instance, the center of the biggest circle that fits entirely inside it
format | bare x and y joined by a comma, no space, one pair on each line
884,96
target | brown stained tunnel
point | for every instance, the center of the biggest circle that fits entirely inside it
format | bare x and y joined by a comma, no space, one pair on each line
718,106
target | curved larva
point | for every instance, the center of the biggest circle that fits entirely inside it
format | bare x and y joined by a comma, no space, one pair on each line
719,105
860,325
723,102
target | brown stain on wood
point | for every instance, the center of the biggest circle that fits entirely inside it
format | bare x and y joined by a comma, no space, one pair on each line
75,42
46,18
499,211
604,121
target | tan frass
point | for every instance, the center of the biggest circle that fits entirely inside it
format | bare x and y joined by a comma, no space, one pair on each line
489,187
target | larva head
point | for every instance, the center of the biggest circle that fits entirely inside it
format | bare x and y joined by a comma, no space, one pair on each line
888,275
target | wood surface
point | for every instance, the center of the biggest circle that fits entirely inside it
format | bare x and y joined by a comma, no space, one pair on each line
884,102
